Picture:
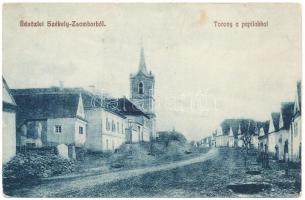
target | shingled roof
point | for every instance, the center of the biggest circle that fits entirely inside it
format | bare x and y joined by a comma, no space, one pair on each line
89,99
287,114
44,106
275,116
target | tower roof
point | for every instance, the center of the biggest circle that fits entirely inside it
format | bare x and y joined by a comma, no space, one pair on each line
142,66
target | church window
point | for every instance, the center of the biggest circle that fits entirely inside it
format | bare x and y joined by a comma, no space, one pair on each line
140,88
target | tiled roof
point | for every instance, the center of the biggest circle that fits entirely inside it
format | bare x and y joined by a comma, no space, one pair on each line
126,107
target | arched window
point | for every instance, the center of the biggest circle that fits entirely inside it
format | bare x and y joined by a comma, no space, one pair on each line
140,88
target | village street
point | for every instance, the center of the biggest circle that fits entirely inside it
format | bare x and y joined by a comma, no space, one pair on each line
73,184
208,175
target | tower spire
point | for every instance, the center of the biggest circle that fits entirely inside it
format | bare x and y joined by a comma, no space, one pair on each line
142,65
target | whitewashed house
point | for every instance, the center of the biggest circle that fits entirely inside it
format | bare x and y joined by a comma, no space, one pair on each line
106,126
283,138
50,117
239,141
254,140
272,139
213,139
222,140
278,139
9,108
231,137
296,128
263,136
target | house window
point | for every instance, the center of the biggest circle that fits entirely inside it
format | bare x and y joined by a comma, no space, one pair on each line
58,129
81,130
106,144
107,124
122,129
140,88
113,126
118,125
129,123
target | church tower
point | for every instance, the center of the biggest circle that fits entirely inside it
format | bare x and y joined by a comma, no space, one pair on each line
142,85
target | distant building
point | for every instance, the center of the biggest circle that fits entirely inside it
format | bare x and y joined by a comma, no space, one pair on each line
222,140
9,108
231,138
239,141
142,87
49,117
213,139
206,142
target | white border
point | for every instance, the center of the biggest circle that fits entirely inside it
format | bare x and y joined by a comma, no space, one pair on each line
163,1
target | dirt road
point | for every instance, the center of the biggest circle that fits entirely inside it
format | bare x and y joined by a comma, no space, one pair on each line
55,187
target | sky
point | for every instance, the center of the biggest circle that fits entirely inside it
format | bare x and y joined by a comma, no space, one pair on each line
204,74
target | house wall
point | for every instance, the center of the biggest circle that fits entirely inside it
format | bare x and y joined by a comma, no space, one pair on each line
222,140
112,138
255,141
271,142
262,141
80,138
33,131
94,130
296,138
278,139
139,130
231,141
103,137
67,136
8,136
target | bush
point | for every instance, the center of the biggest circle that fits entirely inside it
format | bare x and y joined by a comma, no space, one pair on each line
167,136
34,166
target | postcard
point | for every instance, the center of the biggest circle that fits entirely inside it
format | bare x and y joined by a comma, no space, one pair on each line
151,100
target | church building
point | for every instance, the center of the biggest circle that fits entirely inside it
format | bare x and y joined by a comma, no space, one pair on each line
142,86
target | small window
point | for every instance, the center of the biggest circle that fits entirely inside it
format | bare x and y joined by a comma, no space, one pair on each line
81,130
107,124
129,123
113,126
58,129
118,125
140,88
